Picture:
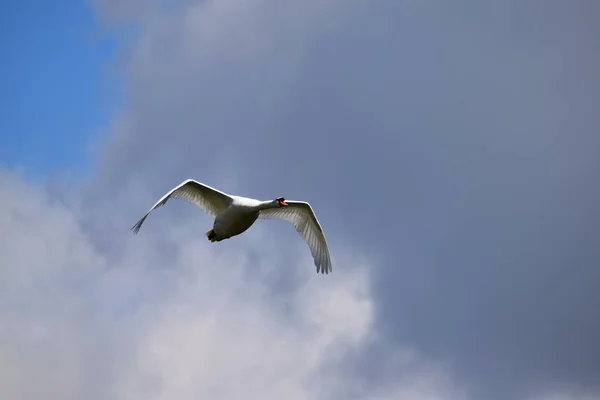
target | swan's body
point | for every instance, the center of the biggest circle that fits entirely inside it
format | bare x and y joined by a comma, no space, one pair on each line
235,214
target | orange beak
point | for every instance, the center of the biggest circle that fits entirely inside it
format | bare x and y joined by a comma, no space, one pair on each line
282,203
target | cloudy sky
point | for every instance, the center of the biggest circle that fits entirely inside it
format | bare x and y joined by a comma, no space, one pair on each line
450,150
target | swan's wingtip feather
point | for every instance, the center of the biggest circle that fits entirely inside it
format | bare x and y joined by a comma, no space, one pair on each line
136,228
324,268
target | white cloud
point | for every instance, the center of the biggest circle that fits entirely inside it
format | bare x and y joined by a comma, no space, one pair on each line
79,322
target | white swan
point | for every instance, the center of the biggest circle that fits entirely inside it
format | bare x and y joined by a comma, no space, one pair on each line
235,214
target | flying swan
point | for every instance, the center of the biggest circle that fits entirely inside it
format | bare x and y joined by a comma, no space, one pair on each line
235,214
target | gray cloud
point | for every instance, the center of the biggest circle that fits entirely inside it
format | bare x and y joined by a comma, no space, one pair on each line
453,145
474,126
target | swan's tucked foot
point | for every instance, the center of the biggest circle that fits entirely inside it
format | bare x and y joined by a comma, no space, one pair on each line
211,235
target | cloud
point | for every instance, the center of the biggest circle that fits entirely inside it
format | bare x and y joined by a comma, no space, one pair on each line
448,150
80,323
453,144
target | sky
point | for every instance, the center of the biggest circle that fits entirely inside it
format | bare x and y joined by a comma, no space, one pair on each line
448,149
60,86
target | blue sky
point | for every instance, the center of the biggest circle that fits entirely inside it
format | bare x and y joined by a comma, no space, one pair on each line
59,89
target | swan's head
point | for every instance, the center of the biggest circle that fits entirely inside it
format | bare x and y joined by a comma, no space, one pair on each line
280,201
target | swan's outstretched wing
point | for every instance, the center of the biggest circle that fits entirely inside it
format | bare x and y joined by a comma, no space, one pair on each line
209,199
302,216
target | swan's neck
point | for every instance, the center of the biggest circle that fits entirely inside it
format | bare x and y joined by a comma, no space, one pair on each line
265,205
